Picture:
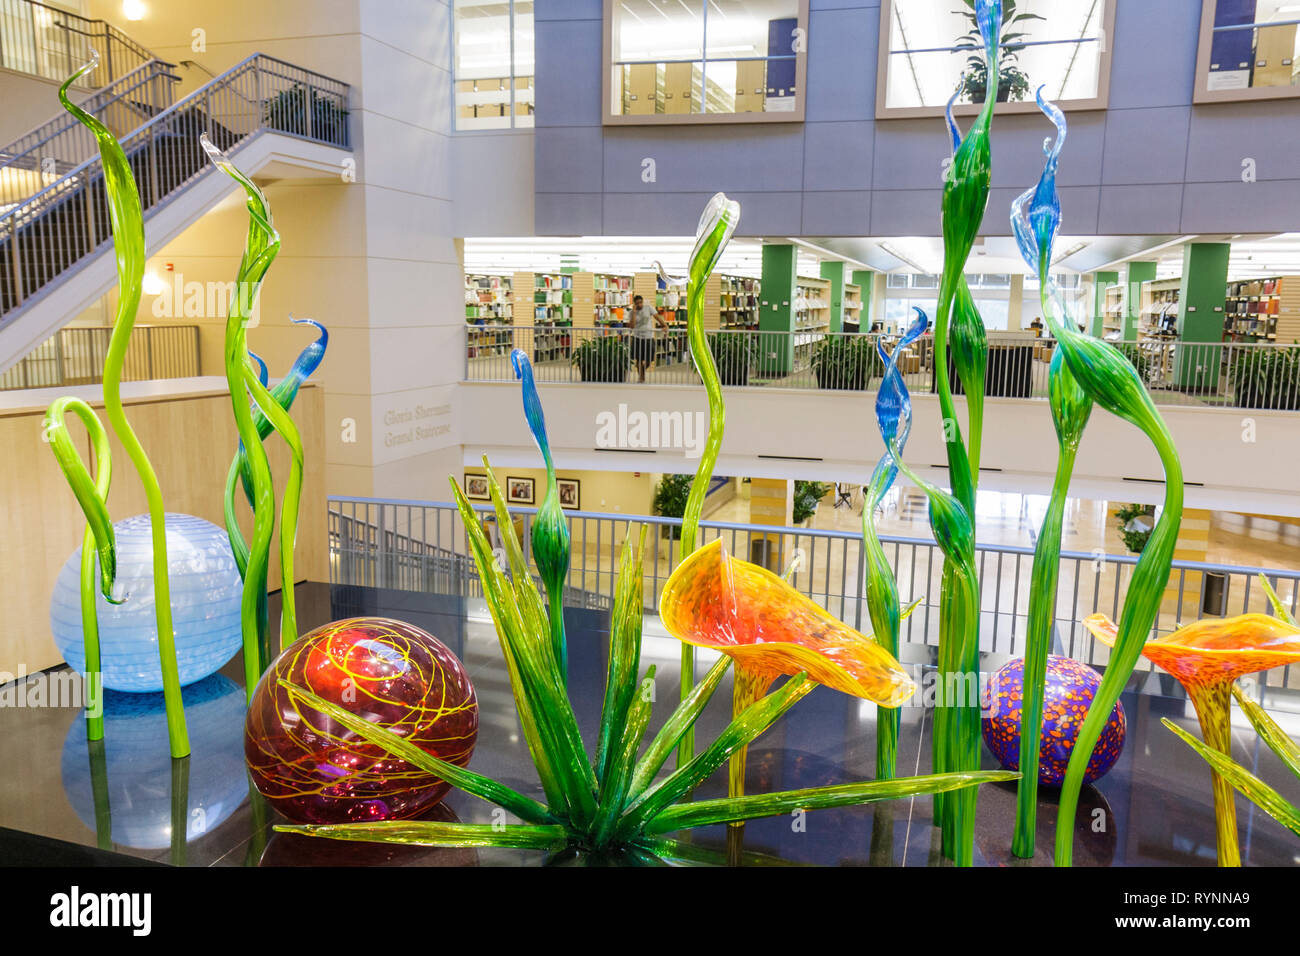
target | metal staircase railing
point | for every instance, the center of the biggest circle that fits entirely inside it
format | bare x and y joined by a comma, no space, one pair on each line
62,143
51,43
53,231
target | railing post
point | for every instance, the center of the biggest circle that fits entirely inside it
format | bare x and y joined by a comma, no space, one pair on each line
15,260
58,357
308,107
153,168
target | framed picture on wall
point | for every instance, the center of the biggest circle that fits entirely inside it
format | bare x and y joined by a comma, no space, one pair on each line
519,491
476,488
569,489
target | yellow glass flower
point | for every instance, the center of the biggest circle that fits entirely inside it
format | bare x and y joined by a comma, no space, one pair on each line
1207,657
768,629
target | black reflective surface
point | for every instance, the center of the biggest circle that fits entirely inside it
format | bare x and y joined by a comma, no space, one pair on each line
126,796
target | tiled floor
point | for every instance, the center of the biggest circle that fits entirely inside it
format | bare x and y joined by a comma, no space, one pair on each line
1153,808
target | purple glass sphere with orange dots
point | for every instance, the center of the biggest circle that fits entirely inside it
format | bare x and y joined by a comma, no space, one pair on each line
1067,695
313,769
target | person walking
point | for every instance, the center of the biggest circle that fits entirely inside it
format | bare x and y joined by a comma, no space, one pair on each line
643,321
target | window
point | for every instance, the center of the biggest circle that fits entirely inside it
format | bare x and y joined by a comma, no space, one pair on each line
930,47
704,61
494,63
1247,50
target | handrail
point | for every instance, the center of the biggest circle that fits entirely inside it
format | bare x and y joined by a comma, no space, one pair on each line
1261,375
202,94
81,145
41,42
260,93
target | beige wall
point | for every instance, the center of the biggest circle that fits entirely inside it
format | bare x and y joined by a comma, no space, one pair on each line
189,434
614,492
371,258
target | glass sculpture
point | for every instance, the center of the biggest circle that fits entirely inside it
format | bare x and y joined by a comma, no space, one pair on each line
1068,690
550,535
769,629
249,395
615,805
717,225
315,768
894,417
204,598
1086,371
117,786
1207,657
241,474
127,221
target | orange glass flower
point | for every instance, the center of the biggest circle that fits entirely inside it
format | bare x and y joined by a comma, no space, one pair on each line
1214,651
1207,657
768,628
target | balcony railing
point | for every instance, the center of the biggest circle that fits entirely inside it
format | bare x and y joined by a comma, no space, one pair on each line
54,148
1226,375
59,227
421,546
51,43
76,357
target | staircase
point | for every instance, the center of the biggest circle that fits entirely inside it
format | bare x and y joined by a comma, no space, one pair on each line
62,228
52,43
57,147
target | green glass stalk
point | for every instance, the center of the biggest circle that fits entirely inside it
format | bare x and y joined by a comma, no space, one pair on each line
98,538
614,787
1071,408
739,733
624,653
1112,382
717,225
1278,740
550,533
260,249
416,833
656,755
731,810
127,220
1249,785
956,732
539,681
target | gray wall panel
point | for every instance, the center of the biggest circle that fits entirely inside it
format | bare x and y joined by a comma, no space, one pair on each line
843,172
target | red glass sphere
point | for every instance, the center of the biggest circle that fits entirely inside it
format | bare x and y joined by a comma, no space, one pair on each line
314,770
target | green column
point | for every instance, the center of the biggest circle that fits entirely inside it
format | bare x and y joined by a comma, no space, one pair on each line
1135,274
834,271
776,312
1201,295
1101,280
864,279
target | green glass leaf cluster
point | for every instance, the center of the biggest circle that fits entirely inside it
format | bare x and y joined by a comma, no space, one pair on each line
248,396
618,804
127,221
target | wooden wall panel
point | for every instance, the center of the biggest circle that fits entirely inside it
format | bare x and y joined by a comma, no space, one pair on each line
190,438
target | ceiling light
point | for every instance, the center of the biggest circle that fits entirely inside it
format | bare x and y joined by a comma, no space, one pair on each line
133,9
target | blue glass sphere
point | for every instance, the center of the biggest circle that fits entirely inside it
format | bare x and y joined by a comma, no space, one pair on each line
205,596
132,777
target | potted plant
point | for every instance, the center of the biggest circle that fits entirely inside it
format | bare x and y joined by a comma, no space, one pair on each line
733,353
1135,523
1013,85
1266,377
846,362
603,359
670,500
288,111
807,495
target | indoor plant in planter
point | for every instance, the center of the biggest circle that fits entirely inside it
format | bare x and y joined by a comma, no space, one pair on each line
807,495
734,353
846,361
1135,524
670,499
1267,378
603,359
1013,85
288,110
